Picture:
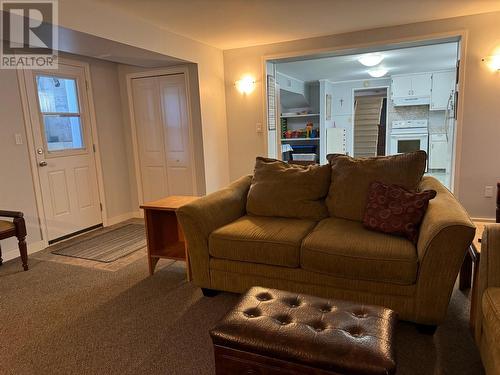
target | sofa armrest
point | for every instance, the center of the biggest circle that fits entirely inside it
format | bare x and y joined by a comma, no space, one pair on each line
445,234
200,218
489,271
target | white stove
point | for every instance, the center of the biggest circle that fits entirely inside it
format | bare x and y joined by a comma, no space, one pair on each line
408,136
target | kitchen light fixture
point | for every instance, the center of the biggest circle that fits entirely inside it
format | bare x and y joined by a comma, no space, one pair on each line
371,59
377,73
245,85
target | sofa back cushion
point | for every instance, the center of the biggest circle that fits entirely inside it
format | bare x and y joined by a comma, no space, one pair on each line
288,190
351,179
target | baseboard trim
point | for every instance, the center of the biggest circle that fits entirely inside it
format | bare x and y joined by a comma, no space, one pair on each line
32,248
123,217
487,219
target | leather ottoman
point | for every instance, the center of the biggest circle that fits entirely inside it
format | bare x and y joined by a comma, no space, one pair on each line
271,332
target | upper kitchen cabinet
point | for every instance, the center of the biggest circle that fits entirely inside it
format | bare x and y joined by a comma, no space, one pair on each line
443,87
411,89
290,84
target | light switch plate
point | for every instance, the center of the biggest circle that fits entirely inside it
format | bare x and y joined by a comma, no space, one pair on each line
19,139
488,191
258,127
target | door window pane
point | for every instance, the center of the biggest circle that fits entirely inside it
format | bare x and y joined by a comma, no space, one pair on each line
58,99
408,145
57,94
63,132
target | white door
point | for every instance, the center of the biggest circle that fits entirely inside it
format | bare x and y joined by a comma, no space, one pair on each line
401,86
173,101
59,110
149,135
163,137
421,84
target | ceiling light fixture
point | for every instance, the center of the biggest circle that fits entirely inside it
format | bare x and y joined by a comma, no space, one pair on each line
493,62
377,73
371,59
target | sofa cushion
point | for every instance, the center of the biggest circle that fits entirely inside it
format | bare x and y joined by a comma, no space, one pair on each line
280,189
344,248
351,178
491,313
257,239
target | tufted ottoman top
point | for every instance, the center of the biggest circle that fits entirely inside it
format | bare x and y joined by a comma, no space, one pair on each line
339,336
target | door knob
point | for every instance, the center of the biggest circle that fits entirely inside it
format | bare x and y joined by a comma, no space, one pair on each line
43,163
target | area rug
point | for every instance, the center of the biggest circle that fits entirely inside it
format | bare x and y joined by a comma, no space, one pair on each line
104,245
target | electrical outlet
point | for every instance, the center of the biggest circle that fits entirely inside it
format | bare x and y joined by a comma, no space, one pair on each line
258,127
488,191
19,139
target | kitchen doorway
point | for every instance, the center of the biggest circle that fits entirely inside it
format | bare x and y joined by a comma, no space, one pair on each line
422,91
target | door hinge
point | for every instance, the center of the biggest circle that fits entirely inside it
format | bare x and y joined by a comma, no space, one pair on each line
93,147
87,85
100,206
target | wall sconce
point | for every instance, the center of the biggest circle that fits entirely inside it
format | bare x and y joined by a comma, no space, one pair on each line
493,62
245,85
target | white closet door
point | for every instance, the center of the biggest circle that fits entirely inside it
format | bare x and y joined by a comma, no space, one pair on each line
176,134
150,136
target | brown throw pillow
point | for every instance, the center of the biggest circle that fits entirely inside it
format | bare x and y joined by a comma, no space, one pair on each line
394,210
286,190
351,178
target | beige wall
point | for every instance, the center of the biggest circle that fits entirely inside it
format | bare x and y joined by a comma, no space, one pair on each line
111,23
16,185
481,109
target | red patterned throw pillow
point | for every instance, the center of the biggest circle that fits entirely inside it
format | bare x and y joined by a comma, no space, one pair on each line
394,210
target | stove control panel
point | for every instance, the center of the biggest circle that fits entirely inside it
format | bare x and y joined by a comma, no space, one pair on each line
409,124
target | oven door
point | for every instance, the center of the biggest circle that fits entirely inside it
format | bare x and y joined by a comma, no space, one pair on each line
408,142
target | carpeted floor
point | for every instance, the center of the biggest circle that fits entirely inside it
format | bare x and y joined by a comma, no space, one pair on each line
67,319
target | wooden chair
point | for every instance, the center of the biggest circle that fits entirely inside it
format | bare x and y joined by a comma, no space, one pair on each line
14,228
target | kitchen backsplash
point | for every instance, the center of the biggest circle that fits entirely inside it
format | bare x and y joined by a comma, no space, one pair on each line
418,112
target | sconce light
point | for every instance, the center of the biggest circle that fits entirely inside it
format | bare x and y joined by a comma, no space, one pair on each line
493,62
245,85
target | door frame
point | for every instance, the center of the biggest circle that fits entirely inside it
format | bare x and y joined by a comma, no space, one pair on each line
353,95
30,141
460,34
133,127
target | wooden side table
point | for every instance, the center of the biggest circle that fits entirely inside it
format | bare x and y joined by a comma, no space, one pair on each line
470,269
164,234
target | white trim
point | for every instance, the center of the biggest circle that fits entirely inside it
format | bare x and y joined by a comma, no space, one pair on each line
32,248
156,73
491,220
28,125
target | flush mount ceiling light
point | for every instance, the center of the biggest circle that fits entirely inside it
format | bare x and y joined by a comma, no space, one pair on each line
371,59
377,73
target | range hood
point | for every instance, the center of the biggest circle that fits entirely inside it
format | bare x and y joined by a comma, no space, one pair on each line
411,100
291,99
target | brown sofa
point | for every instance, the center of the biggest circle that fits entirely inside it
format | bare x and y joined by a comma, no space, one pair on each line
487,323
334,258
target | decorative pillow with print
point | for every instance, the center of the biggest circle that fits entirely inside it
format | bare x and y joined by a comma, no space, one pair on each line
394,210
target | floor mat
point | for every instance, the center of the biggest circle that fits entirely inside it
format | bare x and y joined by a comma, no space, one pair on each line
105,247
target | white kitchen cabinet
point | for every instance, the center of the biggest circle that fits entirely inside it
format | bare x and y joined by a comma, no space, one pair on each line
443,87
290,84
438,153
401,86
411,85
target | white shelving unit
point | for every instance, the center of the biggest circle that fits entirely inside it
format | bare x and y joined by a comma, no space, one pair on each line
297,116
